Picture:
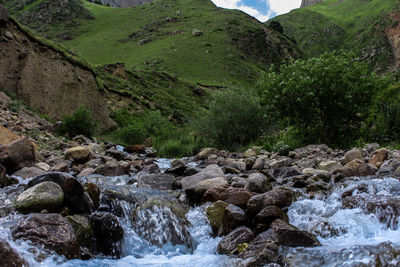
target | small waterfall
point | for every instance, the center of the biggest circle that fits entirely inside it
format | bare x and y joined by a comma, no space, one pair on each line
365,234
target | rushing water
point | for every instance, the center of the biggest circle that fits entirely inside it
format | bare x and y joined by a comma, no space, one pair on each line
349,237
362,236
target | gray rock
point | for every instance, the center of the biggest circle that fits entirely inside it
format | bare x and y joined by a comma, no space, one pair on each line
17,155
277,197
43,196
28,172
9,257
50,230
196,192
352,155
211,171
291,236
233,217
258,182
229,244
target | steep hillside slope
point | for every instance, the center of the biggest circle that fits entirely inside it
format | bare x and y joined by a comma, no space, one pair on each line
121,3
55,82
370,28
190,39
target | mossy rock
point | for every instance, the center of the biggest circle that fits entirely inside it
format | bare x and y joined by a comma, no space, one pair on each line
215,213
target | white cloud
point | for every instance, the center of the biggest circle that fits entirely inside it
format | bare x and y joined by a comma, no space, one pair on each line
236,4
283,6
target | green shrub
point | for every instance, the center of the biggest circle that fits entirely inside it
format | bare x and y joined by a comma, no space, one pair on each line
324,98
234,119
133,134
384,116
14,105
79,123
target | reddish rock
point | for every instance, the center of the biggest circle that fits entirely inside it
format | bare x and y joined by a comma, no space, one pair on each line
379,157
9,257
231,195
138,149
17,155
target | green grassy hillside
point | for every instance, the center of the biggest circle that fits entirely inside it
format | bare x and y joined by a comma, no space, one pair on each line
359,25
230,50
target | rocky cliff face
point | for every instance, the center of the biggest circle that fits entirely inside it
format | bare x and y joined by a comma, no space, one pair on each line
43,78
123,3
306,3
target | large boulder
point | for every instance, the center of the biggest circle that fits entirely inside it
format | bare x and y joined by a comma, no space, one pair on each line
83,229
196,192
277,197
231,195
262,250
357,167
49,230
215,213
291,236
75,196
211,171
229,244
258,182
17,154
233,217
351,155
8,256
78,153
108,233
44,196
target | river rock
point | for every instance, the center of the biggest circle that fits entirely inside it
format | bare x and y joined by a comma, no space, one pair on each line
329,166
379,157
94,193
177,170
262,250
231,195
259,163
44,166
113,168
285,162
357,167
258,182
229,244
108,233
233,217
206,152
352,155
44,196
28,172
215,213
211,171
83,229
268,214
17,154
196,192
75,196
160,181
291,236
277,197
9,257
78,153
116,154
50,230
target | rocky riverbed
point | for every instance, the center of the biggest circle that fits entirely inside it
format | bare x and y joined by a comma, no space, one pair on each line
81,202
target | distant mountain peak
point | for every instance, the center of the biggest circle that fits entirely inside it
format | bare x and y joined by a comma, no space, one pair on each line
306,3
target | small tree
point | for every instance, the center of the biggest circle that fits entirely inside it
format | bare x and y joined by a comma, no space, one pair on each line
234,118
79,123
324,98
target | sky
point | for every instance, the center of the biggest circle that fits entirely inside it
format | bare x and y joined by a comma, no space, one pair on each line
260,9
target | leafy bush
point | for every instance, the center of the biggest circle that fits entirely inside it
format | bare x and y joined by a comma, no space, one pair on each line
178,143
133,134
324,98
385,114
79,123
234,119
